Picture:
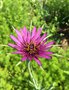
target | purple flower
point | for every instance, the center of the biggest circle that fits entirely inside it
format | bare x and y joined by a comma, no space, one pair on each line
31,45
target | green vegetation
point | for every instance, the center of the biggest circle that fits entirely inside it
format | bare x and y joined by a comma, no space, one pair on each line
53,17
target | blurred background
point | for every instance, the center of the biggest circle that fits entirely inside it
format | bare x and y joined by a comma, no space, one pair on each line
53,17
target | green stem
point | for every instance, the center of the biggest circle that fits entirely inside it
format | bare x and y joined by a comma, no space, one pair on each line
32,77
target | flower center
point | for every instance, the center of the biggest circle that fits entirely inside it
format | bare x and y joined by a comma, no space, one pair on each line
31,48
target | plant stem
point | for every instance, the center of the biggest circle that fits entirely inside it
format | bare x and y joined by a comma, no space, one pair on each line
32,77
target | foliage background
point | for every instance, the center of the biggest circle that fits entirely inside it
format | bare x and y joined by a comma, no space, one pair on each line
53,17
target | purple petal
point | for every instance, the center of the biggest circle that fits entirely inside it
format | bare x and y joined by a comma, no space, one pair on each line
29,37
24,58
19,36
12,45
45,56
17,52
30,58
42,47
14,39
49,53
45,52
34,31
15,46
41,38
48,57
38,61
24,33
38,32
37,35
48,45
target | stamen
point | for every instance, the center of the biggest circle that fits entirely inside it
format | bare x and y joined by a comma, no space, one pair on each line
31,48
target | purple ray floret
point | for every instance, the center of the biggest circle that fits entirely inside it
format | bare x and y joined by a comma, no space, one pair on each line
31,45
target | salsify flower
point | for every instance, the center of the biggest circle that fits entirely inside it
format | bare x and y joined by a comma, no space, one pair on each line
31,45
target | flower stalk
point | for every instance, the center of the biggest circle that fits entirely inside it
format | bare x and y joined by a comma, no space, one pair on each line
32,77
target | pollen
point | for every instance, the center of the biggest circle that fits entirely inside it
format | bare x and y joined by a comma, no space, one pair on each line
31,48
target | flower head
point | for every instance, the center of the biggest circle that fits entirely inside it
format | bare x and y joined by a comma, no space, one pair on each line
31,45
